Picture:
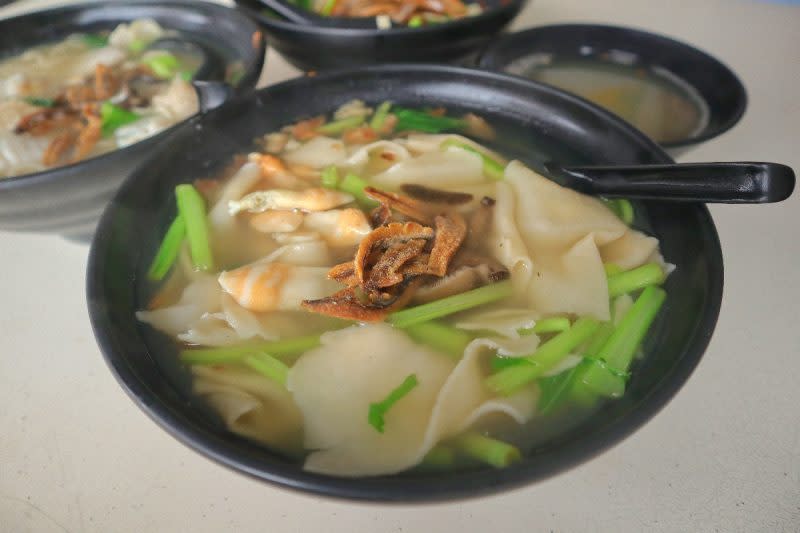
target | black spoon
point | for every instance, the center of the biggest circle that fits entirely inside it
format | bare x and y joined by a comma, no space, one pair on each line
305,17
727,183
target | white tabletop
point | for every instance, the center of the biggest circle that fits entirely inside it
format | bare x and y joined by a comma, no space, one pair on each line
77,455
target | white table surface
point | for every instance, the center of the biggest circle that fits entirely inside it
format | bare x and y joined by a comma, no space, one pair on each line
77,455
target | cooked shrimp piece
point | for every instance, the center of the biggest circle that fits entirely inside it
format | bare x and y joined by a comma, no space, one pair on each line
312,199
277,221
276,286
339,227
270,165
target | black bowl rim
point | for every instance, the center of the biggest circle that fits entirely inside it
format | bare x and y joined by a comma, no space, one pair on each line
390,489
249,80
510,7
489,60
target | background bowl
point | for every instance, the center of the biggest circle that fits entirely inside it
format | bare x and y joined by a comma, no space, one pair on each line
716,84
534,122
68,200
316,47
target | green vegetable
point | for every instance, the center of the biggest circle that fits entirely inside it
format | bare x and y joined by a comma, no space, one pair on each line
114,116
440,456
354,185
547,356
378,410
236,72
622,208
168,251
163,64
415,21
554,324
330,177
137,46
192,209
340,126
327,8
40,102
269,367
599,339
379,117
632,280
235,354
95,40
491,167
487,450
451,304
440,337
411,119
186,75
555,389
612,269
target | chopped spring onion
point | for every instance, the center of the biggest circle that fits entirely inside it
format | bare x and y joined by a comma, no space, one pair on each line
192,209
168,251
95,40
546,356
377,411
415,21
411,119
355,186
440,337
235,354
487,450
491,167
379,117
114,116
340,126
632,280
330,178
269,367
451,304
39,102
164,65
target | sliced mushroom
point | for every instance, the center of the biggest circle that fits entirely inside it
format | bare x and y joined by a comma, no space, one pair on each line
386,236
413,209
386,271
435,196
450,233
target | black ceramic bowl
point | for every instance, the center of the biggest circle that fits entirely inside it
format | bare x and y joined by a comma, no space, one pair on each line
68,200
316,47
715,83
534,122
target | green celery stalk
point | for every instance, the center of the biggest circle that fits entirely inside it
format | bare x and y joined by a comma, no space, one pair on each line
168,251
330,178
547,356
415,21
269,367
491,167
164,65
632,280
622,208
39,102
612,269
114,116
413,120
354,185
378,410
440,456
555,324
340,126
379,117
487,450
137,46
235,354
451,304
327,8
599,339
192,209
440,337
95,40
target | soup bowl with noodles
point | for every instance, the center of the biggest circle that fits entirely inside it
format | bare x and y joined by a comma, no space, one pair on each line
357,285
88,90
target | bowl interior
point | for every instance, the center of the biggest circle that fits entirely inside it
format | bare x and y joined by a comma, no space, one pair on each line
535,123
716,84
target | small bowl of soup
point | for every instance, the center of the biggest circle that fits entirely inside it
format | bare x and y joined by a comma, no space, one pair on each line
676,94
360,285
87,90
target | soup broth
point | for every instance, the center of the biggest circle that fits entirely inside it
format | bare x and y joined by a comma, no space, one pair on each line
377,291
655,101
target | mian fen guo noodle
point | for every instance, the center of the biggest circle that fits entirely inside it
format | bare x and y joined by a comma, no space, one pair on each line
373,292
90,94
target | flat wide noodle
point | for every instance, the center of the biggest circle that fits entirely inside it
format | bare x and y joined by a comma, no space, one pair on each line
554,241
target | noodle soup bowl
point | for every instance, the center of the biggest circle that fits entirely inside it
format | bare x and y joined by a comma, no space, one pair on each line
68,200
534,123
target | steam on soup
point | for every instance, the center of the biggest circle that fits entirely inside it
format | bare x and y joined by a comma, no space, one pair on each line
90,94
370,294
655,101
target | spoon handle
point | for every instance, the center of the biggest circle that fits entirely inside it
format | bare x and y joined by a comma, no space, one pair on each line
729,183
